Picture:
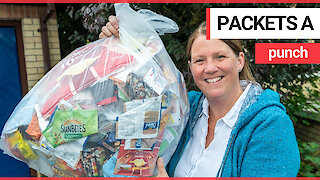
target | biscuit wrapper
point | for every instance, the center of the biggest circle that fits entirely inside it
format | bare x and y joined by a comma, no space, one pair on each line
127,89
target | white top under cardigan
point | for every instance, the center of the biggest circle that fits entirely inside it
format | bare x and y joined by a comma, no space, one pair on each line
196,161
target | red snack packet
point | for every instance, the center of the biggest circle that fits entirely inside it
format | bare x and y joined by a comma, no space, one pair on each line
61,169
85,68
136,162
139,162
33,128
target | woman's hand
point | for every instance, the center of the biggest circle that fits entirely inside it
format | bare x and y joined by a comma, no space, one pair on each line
161,169
111,28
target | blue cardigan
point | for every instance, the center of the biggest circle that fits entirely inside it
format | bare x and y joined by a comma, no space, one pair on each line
262,143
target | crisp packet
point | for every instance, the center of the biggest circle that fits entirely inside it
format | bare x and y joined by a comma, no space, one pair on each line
136,162
110,142
109,94
82,69
33,128
169,136
154,79
19,147
98,149
137,88
93,159
141,121
70,125
107,115
61,169
68,152
142,144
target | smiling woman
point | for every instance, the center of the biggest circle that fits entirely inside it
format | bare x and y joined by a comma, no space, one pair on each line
235,128
231,120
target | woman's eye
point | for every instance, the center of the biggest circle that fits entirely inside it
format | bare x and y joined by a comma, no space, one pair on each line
198,60
221,57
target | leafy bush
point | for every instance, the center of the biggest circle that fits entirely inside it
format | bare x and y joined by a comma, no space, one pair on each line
310,159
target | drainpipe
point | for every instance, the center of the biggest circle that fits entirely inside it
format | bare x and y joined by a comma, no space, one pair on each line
44,35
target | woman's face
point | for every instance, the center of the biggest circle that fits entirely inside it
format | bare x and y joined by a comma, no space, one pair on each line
215,68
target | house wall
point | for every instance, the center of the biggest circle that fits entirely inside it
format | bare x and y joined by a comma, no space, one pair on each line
30,22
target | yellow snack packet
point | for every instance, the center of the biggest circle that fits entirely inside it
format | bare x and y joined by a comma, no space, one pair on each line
16,143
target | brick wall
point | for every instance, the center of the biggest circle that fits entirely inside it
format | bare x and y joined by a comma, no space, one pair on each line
54,44
30,23
32,50
308,133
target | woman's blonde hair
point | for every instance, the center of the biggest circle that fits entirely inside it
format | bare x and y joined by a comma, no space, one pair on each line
235,45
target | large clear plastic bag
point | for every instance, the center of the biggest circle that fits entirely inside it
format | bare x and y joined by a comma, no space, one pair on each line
114,104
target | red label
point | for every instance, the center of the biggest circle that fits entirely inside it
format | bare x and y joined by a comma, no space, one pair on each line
158,178
208,23
287,53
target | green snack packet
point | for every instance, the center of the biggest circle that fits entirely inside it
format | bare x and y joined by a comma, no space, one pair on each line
69,125
169,136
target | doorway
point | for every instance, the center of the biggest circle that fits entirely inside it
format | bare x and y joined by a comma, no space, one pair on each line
13,86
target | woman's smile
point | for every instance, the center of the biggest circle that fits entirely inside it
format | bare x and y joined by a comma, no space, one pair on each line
213,80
